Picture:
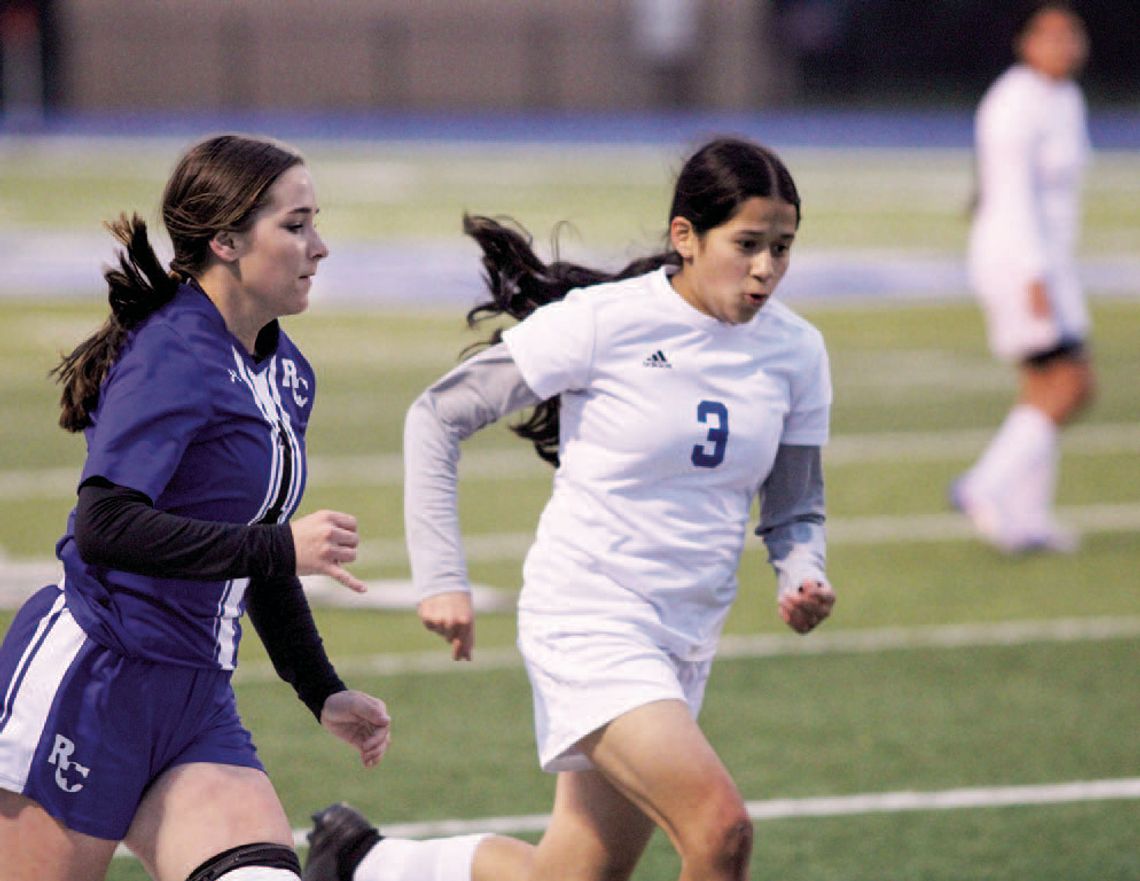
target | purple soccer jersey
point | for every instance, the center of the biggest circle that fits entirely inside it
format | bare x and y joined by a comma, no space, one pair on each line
114,677
189,418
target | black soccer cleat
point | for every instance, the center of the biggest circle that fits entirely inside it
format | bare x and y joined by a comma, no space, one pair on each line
340,839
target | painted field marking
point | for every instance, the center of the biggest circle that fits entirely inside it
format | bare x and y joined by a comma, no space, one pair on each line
762,645
492,547
19,577
386,469
1120,789
1126,788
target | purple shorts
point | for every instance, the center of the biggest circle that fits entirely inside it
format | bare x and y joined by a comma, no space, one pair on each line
84,731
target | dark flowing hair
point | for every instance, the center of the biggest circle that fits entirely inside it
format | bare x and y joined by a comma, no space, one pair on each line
712,185
219,184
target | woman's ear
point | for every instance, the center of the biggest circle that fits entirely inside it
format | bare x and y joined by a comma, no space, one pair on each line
224,246
683,237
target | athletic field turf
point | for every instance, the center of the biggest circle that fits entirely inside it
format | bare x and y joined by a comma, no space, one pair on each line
962,717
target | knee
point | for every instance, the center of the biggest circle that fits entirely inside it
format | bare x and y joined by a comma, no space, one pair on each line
1078,393
725,844
1081,376
736,846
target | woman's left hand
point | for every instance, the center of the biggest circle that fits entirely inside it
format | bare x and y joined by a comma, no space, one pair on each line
360,720
808,605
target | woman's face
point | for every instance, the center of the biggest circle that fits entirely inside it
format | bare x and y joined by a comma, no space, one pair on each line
279,253
731,270
1055,44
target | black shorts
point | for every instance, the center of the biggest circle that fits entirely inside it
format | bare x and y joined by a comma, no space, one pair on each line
1068,349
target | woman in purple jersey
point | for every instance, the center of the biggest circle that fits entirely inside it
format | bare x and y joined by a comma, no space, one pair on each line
670,394
117,717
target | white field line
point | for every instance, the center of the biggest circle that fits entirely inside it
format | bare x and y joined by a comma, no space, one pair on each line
491,547
17,577
516,463
832,806
732,646
1120,789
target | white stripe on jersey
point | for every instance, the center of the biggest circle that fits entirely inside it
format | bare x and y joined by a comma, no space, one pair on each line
275,468
229,608
293,498
263,385
45,662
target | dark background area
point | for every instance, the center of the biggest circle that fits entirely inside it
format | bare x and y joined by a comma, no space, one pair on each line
803,53
886,51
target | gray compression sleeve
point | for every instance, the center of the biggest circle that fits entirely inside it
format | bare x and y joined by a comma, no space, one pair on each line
792,515
473,395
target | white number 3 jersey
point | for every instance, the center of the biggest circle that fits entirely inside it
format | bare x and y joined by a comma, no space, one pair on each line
670,421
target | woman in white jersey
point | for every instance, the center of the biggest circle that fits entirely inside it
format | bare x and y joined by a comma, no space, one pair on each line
1032,147
669,395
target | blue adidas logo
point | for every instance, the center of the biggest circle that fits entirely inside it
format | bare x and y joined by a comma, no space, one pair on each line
657,359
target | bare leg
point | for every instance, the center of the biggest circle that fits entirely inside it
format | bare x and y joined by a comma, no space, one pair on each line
37,847
1060,389
654,765
596,833
660,760
194,812
499,858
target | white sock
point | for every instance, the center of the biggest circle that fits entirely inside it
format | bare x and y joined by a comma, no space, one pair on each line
1032,496
437,859
259,873
1024,438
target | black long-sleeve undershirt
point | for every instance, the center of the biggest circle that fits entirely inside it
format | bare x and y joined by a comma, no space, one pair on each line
280,613
119,528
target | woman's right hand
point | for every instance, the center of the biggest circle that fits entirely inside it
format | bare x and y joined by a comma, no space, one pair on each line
808,605
361,721
323,542
452,617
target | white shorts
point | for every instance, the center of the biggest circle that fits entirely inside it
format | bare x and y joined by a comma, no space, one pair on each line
581,681
1013,331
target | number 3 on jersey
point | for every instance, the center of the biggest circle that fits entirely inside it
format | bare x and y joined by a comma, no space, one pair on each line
715,415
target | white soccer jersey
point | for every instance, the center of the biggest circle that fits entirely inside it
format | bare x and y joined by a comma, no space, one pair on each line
1032,149
670,421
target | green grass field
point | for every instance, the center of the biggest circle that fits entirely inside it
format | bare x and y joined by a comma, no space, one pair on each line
916,395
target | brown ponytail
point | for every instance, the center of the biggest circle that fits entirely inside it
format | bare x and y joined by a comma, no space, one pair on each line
135,289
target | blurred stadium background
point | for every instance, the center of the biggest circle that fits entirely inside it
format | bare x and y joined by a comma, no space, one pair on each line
964,716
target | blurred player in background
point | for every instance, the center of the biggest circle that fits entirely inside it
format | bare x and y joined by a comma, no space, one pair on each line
669,394
1032,148
118,720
